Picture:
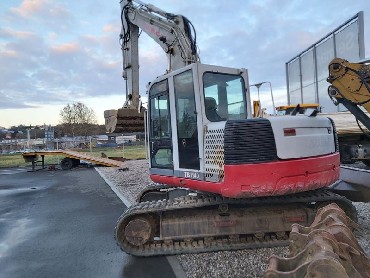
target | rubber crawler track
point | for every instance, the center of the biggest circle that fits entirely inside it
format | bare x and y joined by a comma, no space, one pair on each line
156,247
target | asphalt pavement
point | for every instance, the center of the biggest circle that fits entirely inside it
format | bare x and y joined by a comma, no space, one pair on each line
61,224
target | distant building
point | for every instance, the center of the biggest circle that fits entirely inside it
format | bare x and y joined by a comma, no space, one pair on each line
49,133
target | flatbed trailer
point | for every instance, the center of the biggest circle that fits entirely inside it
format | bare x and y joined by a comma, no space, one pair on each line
72,159
353,183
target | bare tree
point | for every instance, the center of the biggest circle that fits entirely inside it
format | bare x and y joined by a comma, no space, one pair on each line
78,118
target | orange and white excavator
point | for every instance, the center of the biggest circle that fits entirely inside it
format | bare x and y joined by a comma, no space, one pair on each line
225,180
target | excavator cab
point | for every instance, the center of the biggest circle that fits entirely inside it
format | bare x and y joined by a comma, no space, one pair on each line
181,105
202,136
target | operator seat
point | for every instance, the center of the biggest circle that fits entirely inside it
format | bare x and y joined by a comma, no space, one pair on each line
211,110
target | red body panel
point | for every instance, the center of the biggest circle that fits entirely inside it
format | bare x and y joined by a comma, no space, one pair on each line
267,179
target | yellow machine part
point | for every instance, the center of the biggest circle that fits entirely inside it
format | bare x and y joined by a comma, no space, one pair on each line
257,109
352,80
288,109
302,105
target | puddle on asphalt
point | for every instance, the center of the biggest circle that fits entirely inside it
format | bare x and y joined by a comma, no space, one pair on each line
9,190
19,232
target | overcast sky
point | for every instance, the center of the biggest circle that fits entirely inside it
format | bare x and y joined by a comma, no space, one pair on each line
57,52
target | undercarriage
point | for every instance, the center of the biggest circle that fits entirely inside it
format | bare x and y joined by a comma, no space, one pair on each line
198,222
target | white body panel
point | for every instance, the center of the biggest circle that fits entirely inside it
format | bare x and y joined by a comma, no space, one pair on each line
313,136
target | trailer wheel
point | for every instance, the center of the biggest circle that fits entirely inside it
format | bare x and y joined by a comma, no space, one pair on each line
66,163
75,162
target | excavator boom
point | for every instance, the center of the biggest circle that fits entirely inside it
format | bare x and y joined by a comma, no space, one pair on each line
176,36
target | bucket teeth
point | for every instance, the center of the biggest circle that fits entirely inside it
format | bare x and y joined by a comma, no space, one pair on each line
327,248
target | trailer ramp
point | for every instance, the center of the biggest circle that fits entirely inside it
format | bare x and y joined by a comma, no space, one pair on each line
72,158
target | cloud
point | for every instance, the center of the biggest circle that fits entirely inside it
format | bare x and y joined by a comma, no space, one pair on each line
109,28
21,54
13,34
65,48
39,70
9,101
30,9
39,15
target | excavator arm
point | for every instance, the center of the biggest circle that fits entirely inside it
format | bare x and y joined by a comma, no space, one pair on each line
174,34
351,87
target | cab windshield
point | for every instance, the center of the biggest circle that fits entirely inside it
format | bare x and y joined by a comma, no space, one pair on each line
224,97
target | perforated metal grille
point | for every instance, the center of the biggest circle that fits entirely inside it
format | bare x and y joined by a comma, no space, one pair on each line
249,141
214,154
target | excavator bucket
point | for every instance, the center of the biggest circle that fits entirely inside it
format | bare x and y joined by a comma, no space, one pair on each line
327,248
124,120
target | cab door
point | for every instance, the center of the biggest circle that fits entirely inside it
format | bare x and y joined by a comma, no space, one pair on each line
160,136
186,121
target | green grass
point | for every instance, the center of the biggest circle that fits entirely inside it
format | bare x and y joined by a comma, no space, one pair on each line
129,152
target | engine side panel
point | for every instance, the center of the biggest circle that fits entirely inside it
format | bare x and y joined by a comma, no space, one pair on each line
302,136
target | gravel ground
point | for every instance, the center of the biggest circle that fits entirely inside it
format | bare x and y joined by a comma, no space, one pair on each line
243,263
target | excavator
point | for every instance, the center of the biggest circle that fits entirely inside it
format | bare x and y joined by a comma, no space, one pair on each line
223,179
350,86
